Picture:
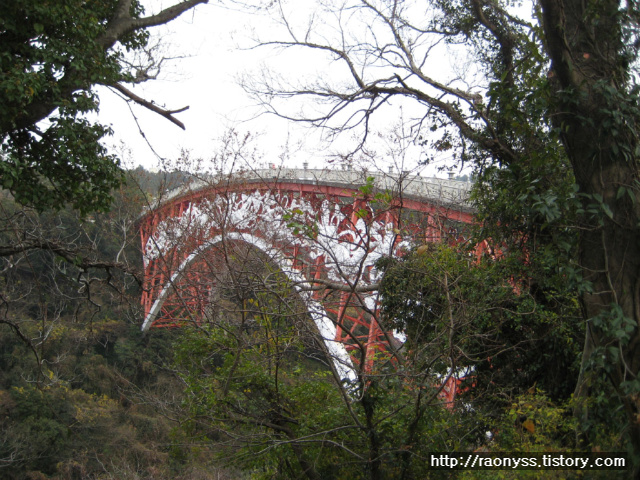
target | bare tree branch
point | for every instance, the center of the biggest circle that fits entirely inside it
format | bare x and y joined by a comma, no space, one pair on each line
70,255
168,114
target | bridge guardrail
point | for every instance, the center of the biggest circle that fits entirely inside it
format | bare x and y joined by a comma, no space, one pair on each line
438,190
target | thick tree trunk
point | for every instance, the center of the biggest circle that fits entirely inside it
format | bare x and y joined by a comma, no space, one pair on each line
584,42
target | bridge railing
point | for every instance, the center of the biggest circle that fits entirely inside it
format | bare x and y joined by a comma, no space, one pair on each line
440,191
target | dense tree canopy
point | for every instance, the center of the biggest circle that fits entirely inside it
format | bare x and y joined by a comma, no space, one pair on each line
51,55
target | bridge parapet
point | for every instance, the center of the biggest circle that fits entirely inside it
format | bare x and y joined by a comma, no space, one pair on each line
445,192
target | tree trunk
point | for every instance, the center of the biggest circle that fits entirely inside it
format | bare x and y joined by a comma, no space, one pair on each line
598,121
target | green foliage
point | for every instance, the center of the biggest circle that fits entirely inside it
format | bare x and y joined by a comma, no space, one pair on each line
532,423
284,422
300,223
484,314
52,54
82,393
81,409
261,394
249,388
50,58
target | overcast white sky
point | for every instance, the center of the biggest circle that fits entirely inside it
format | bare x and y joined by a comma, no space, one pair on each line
206,81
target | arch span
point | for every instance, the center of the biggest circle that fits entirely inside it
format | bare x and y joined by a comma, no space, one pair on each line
326,328
325,231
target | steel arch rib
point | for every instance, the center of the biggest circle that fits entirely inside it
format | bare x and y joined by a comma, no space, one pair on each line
339,355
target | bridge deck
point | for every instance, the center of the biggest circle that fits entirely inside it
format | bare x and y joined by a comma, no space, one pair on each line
435,190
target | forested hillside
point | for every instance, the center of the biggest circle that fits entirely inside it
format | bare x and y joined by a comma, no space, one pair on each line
83,394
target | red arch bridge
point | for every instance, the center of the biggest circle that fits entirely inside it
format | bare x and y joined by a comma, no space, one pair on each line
324,229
